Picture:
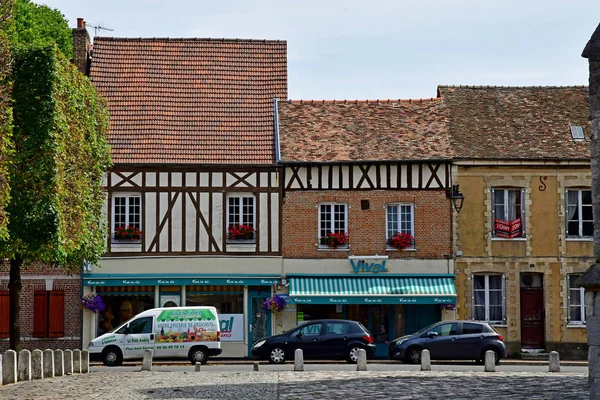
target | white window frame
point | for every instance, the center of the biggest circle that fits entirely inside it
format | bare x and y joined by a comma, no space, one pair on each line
398,208
506,190
487,298
579,213
126,196
571,277
332,215
241,197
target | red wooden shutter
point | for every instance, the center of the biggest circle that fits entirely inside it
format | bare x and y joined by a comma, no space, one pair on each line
40,313
4,315
56,324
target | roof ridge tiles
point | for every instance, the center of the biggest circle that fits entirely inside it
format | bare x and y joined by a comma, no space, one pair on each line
365,101
142,39
513,87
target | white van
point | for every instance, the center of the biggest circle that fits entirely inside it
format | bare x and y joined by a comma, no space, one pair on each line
175,332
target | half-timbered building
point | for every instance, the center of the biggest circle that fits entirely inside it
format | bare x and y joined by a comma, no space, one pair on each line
194,197
366,216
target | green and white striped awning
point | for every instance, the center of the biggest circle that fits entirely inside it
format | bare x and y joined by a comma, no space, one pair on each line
390,290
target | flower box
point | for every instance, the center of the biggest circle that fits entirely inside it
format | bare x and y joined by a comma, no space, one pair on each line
241,233
335,240
127,234
401,241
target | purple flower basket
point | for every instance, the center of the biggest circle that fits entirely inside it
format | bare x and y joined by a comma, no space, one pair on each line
275,304
93,302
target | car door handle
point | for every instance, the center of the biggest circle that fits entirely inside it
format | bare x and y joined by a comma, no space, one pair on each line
345,337
316,340
152,336
453,339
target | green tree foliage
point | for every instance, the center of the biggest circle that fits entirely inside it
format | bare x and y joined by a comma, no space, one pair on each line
39,25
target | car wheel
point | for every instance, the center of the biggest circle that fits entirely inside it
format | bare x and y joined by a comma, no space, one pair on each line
352,357
198,356
112,357
276,355
413,355
496,356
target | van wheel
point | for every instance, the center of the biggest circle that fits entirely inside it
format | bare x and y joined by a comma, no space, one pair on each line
112,356
198,355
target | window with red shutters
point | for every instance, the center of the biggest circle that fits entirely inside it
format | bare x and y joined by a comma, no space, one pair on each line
4,314
40,313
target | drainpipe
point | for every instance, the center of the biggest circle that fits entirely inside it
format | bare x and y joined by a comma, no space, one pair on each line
276,129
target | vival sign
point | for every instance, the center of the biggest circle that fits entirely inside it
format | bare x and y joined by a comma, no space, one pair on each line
364,265
232,327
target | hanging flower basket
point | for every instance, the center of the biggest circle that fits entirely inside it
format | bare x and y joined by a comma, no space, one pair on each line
127,233
240,232
335,240
401,240
449,307
92,302
274,304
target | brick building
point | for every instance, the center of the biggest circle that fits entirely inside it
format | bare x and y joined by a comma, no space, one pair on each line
359,178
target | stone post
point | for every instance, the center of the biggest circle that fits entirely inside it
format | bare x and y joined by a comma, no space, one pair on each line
37,364
59,363
147,362
85,361
24,366
298,360
554,362
361,364
197,367
9,367
425,360
48,364
590,280
68,362
76,361
490,361
256,367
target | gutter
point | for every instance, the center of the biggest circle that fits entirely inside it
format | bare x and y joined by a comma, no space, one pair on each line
276,128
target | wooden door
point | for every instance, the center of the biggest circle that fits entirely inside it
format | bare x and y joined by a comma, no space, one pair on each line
532,318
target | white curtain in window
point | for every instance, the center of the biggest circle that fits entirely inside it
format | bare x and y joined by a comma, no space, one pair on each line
572,202
513,201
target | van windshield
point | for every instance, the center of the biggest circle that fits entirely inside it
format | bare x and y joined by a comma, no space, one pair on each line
123,325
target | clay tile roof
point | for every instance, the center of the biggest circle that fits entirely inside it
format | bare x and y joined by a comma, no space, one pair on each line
362,130
185,101
517,122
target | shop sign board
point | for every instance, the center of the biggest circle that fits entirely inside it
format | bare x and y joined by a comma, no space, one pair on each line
373,300
368,265
232,327
109,281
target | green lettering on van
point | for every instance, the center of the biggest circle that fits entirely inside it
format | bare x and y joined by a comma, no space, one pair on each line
186,315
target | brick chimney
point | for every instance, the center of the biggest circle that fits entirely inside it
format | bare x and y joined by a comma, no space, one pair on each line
81,47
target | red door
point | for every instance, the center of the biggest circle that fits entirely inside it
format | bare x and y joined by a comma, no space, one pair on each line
532,318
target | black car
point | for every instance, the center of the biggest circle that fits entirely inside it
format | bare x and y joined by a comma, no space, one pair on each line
323,339
449,340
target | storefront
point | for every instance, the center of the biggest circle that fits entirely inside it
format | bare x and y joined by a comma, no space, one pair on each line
238,300
388,307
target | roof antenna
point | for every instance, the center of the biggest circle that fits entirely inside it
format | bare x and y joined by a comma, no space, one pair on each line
99,27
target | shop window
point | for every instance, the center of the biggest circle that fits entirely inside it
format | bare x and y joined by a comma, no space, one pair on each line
241,218
580,221
121,304
488,298
337,328
400,218
4,314
333,225
508,213
49,313
126,217
576,301
224,303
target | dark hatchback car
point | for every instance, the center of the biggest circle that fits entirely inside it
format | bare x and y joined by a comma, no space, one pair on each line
449,340
322,339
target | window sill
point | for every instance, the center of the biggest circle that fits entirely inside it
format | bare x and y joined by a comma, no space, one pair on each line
577,326
582,239
499,239
125,243
250,242
394,249
342,249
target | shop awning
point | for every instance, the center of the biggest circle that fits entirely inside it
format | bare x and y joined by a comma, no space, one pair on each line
390,290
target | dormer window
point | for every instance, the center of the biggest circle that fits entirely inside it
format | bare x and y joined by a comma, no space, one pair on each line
577,133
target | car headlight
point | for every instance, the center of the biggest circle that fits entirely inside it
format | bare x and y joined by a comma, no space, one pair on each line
91,344
258,344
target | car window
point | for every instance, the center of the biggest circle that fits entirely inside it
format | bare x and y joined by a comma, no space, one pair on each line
446,329
470,328
310,330
337,328
141,325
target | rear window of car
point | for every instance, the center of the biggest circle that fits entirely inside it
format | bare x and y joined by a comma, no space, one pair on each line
470,328
337,328
361,326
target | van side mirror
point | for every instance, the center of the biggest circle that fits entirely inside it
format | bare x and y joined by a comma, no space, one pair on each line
432,334
127,330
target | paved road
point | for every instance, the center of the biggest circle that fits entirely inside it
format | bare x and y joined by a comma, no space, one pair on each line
303,385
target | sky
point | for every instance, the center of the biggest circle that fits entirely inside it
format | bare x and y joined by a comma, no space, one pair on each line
377,49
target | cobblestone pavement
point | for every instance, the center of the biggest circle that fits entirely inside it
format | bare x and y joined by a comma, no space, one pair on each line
303,385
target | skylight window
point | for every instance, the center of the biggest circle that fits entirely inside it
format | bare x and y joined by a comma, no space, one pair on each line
577,133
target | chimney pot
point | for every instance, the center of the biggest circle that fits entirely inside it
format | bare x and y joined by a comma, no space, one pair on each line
80,23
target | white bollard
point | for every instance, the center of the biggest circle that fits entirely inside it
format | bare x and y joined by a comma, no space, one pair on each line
425,360
24,366
197,367
48,364
85,362
59,363
9,367
298,360
68,362
361,364
554,362
490,361
147,362
37,364
76,361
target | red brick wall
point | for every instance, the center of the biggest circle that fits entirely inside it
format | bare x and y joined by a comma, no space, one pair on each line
73,312
366,228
